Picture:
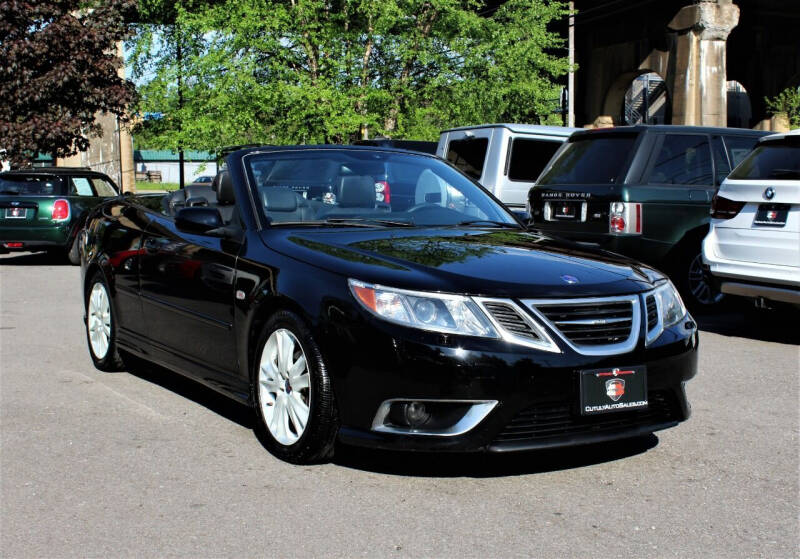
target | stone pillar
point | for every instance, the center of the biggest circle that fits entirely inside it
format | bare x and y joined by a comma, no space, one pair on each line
700,89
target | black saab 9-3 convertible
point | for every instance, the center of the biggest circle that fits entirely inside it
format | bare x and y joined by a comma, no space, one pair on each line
380,297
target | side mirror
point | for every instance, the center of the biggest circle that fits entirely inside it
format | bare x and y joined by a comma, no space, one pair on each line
522,215
198,219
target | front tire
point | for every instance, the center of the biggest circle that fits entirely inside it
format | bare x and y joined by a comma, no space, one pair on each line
292,392
101,327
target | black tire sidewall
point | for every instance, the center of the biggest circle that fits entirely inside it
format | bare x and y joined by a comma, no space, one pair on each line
316,442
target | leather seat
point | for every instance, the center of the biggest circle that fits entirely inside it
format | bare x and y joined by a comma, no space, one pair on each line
283,204
225,198
430,189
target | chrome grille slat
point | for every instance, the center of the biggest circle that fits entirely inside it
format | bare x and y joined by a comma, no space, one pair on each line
510,319
593,326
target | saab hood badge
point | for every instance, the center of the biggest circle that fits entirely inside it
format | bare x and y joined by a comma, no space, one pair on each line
615,388
769,193
569,279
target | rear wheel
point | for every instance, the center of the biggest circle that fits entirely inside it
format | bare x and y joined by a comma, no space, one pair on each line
101,326
293,395
695,283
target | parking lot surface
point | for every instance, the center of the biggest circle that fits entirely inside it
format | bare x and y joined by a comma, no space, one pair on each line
148,464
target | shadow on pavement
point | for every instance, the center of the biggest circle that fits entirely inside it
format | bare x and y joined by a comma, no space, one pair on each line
33,259
485,465
743,320
421,464
191,390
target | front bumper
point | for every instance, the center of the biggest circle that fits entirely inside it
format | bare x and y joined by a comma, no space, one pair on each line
537,394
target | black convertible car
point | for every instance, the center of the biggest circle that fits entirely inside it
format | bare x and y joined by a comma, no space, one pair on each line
382,298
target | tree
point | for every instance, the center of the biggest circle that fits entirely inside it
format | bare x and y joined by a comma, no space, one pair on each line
59,69
314,71
787,102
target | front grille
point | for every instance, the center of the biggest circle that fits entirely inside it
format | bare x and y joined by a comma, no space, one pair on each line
652,312
508,317
550,421
591,323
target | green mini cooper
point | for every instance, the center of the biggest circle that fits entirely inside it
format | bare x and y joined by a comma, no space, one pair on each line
43,209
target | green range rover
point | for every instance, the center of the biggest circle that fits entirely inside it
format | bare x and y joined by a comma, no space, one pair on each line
642,191
42,209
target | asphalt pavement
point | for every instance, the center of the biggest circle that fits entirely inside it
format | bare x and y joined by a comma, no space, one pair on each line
148,464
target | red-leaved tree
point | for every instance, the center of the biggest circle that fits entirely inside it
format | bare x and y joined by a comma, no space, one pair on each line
58,69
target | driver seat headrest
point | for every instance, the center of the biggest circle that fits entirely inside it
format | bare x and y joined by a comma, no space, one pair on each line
223,186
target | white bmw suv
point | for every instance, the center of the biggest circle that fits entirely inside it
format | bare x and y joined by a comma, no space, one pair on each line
753,247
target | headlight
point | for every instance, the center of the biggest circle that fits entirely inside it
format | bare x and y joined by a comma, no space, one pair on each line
452,314
670,304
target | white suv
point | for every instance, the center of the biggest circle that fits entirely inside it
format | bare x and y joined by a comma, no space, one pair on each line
505,158
753,247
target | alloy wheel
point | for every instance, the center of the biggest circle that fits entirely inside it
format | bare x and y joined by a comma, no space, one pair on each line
702,289
99,321
284,387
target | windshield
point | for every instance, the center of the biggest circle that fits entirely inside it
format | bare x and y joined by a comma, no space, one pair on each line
590,160
370,187
771,160
32,185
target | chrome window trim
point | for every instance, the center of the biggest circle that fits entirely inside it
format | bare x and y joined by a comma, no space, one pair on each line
476,414
607,349
546,342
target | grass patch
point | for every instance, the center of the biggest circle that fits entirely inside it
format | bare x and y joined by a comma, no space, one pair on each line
142,186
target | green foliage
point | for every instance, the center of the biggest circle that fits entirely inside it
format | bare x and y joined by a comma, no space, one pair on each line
787,101
326,71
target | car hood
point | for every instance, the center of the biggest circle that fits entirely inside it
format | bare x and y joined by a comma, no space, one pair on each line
491,262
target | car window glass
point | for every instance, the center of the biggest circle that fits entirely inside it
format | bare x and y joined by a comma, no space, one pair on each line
682,159
529,157
721,166
591,160
103,187
367,185
739,147
81,187
771,160
468,155
31,185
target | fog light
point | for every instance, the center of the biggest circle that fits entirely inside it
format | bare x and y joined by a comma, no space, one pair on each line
416,414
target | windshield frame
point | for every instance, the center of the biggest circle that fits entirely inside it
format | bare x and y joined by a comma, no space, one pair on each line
264,223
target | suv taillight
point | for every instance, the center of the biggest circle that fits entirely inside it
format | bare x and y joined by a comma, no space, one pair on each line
722,208
382,192
60,210
625,218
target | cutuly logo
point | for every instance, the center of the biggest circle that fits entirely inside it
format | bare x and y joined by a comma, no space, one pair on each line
569,279
615,388
769,193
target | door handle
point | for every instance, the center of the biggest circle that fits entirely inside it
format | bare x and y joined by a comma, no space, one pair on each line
699,195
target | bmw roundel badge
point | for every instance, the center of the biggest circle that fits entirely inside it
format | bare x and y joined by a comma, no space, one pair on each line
769,193
569,279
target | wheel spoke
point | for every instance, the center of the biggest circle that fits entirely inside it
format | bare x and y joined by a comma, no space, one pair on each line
298,368
298,419
287,349
300,382
270,384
